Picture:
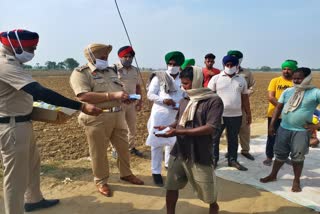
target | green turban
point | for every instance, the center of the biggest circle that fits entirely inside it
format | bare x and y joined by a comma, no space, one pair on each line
176,56
188,62
235,53
291,64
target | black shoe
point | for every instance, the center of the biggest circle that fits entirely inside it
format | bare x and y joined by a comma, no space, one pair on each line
29,207
248,155
237,165
136,152
157,179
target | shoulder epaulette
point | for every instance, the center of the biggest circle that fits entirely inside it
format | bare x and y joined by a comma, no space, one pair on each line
114,68
81,68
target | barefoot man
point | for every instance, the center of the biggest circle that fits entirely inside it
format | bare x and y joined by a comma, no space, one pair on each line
296,106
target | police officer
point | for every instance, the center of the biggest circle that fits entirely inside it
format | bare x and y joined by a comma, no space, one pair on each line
130,78
97,83
19,153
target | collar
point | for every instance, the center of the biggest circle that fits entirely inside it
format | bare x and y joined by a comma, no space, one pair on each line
224,74
8,56
92,67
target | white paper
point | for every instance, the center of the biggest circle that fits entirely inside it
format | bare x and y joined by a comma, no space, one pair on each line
163,131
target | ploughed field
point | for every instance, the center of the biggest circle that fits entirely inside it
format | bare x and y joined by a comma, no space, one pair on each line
68,141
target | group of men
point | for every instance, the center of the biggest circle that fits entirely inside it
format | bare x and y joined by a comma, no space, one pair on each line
191,108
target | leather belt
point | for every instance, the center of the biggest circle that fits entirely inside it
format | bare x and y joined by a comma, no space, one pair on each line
112,109
18,119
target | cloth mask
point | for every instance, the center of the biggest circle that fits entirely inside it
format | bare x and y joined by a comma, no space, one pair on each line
126,62
230,71
101,64
173,69
24,56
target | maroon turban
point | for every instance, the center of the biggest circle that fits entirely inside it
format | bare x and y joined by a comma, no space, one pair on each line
126,50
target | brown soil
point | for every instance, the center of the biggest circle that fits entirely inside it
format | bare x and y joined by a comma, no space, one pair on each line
67,141
71,180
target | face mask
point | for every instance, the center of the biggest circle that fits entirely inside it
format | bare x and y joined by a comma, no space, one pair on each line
24,56
173,69
101,64
126,62
230,71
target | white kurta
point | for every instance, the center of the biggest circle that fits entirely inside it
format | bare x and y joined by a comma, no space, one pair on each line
162,114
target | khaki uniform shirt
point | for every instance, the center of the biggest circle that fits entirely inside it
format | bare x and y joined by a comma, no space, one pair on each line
249,79
13,101
88,79
129,77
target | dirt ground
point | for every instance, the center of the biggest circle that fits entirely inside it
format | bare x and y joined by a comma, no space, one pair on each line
66,172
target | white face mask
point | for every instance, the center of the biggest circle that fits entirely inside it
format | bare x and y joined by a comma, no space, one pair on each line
24,56
230,71
173,69
100,64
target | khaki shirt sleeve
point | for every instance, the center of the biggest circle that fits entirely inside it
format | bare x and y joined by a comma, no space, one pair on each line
79,82
15,76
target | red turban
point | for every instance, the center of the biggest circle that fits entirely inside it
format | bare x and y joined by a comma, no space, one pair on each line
125,50
27,38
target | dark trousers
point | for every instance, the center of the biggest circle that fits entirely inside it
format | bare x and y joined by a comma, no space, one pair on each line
271,139
232,126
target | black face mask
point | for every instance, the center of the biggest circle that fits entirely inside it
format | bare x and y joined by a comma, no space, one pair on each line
126,62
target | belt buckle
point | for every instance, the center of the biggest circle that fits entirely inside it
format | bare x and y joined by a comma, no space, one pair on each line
116,109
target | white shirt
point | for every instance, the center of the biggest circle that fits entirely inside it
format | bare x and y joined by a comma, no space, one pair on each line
230,90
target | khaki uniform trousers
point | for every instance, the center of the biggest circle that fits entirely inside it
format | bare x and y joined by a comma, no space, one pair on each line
100,130
131,118
21,161
244,134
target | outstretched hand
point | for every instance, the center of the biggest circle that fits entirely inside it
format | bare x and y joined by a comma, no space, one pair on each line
169,133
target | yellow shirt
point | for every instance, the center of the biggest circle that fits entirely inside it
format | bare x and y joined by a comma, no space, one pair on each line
278,85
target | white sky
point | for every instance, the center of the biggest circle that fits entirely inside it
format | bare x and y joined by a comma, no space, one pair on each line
267,32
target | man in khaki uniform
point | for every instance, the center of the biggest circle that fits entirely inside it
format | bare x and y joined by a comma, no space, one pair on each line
98,84
19,153
130,78
244,134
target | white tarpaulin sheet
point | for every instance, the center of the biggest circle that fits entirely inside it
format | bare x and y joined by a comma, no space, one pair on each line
310,179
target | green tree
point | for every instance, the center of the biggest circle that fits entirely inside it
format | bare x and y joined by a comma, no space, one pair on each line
71,63
28,67
265,68
61,66
50,65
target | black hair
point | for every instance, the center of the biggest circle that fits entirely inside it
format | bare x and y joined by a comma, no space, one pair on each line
306,71
210,56
187,73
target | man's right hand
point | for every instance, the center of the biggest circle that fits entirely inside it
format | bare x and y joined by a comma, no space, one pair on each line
91,109
169,102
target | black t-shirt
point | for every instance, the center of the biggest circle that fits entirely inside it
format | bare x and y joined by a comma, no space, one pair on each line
199,149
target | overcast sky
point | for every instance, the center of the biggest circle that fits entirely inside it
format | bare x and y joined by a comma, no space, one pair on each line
267,32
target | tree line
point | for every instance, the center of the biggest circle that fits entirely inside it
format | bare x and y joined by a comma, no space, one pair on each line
67,64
